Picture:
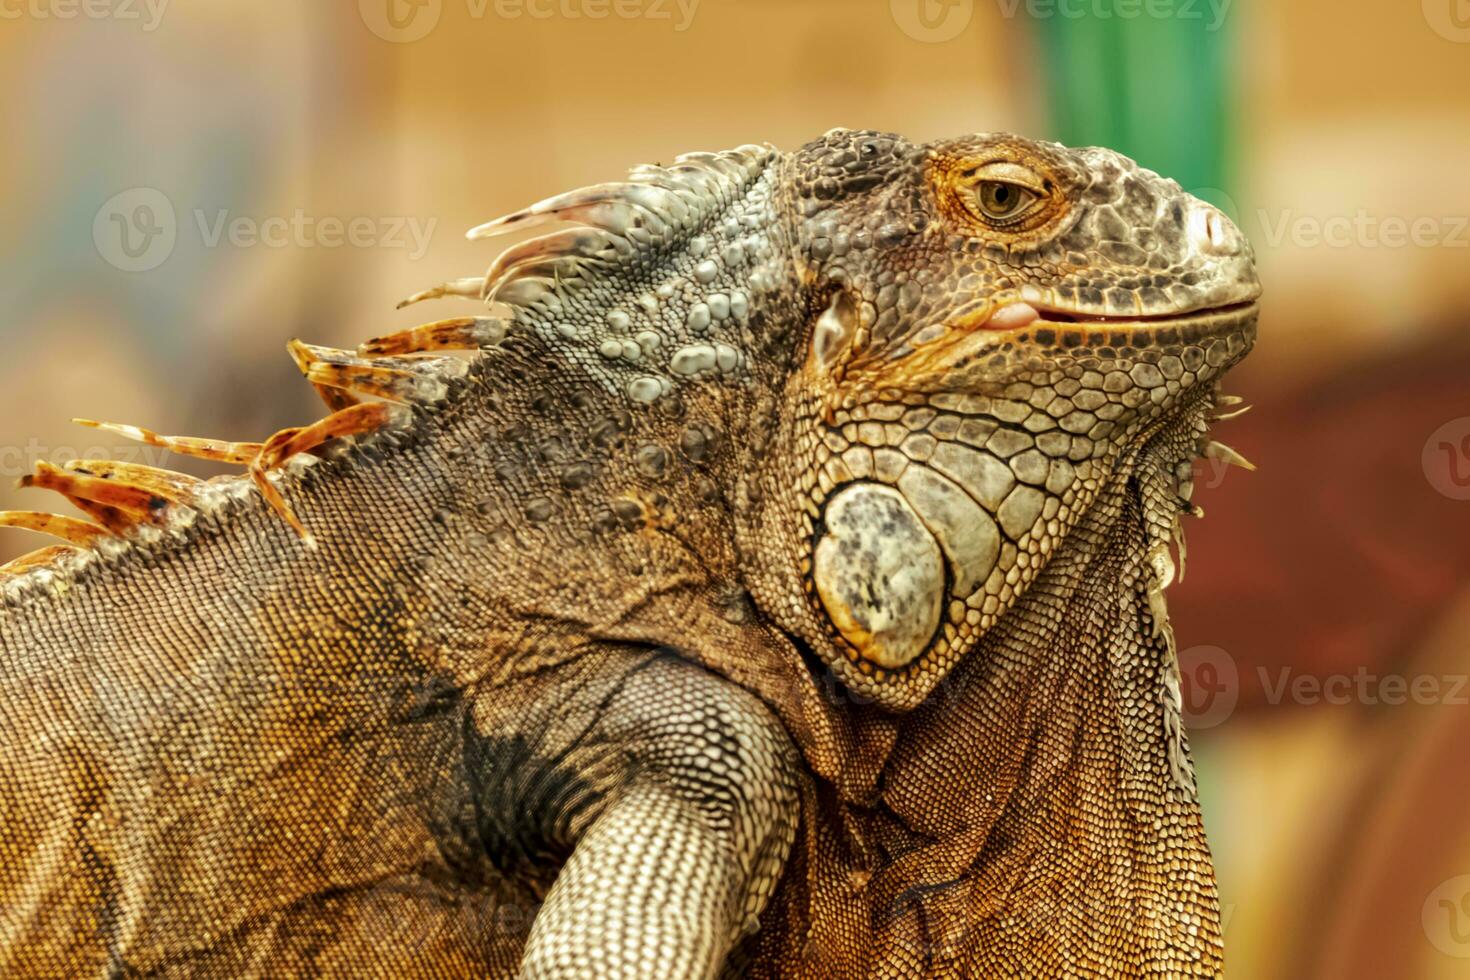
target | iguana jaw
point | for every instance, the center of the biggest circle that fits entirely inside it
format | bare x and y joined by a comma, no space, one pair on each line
1017,314
1037,324
1234,304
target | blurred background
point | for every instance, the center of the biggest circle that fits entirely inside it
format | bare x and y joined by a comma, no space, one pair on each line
186,186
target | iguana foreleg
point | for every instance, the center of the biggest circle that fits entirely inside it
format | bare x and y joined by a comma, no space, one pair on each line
689,846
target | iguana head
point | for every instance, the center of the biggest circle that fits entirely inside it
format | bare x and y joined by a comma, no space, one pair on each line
991,325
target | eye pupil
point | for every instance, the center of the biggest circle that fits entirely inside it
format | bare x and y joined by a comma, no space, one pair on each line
1001,200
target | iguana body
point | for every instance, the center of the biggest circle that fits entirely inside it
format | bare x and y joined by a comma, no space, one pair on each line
778,591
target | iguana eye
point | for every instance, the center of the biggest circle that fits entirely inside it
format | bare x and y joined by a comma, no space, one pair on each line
1003,201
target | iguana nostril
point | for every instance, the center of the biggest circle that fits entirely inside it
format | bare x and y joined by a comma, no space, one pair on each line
1211,232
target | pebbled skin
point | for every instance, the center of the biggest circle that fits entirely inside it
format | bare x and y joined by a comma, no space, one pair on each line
603,662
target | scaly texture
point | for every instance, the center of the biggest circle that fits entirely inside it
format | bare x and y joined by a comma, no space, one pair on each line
777,591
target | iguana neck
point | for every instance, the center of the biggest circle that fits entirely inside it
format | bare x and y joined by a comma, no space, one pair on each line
1086,833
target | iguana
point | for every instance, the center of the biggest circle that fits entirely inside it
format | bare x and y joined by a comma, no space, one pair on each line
772,586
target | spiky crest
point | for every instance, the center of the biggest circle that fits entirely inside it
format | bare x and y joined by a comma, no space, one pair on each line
614,229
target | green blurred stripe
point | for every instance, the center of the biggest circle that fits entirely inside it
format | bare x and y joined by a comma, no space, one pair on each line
1154,88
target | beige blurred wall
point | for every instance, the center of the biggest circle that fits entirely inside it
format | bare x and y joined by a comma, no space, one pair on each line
1360,112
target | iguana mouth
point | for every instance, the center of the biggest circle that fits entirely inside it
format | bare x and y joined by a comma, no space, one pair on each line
1018,314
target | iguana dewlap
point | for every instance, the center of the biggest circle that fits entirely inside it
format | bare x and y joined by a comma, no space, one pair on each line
776,591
